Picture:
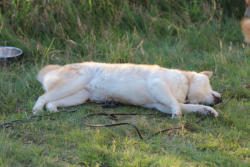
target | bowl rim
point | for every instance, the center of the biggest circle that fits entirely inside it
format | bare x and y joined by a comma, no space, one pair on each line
11,56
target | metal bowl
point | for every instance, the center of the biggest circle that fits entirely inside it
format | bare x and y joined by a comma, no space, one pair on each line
7,52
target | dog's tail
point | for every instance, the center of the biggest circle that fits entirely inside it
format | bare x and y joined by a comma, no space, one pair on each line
45,71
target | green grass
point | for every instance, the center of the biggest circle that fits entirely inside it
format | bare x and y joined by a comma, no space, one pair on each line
173,34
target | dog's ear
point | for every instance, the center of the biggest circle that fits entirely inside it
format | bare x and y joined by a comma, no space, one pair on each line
207,73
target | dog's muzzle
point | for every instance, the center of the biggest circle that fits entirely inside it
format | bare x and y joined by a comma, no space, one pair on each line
217,100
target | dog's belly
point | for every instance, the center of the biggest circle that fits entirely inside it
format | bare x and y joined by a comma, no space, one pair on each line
131,90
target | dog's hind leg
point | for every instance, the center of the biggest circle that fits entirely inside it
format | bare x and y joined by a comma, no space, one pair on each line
72,100
197,108
58,92
161,94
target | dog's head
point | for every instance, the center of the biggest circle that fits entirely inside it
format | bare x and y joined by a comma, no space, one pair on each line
200,90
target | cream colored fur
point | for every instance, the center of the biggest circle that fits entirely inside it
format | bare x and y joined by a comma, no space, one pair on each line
149,86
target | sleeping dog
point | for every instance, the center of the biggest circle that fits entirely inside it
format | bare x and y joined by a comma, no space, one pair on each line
149,86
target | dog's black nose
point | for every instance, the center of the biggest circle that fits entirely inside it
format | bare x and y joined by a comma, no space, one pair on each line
217,100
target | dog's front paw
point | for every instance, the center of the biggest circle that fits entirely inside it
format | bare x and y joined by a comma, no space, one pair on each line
209,111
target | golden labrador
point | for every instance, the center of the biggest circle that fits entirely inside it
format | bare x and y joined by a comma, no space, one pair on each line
149,86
